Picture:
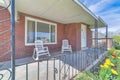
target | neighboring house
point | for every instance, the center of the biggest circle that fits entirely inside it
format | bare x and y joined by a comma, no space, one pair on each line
51,21
102,40
109,42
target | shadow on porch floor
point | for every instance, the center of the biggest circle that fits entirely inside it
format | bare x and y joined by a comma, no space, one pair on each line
67,65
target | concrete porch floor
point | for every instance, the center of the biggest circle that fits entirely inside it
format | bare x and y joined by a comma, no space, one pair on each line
28,67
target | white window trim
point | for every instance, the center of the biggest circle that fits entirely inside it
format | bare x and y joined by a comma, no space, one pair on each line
37,20
85,36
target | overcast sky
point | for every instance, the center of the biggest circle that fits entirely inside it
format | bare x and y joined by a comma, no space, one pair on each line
108,10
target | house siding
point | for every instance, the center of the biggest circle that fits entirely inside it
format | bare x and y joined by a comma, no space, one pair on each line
64,31
109,42
89,37
21,49
73,35
103,42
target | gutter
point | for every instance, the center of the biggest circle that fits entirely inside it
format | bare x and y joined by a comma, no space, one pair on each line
102,20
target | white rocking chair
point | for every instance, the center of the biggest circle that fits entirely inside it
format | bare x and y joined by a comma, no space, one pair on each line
40,50
66,46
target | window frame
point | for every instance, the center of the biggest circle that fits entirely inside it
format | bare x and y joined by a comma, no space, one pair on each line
37,20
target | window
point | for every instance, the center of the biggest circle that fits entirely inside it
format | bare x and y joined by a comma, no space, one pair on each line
40,30
30,31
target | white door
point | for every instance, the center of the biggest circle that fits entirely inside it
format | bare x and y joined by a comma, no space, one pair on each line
83,36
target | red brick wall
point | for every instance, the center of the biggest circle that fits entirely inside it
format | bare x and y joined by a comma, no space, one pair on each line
103,42
22,50
109,42
4,48
69,31
73,34
89,37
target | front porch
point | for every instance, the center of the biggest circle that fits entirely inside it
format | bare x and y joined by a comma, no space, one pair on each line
57,67
67,19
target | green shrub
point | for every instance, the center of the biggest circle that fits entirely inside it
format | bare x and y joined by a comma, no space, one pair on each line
117,47
116,42
110,51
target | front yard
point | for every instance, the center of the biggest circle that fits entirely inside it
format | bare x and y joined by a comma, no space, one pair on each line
108,69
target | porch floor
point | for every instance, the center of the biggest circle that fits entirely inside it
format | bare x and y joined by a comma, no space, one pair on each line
55,66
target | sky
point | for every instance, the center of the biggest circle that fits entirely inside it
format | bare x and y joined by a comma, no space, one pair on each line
108,10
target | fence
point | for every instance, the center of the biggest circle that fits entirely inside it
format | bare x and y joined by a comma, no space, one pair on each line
60,67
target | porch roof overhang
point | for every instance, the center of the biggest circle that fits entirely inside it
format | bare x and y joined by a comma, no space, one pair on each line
62,11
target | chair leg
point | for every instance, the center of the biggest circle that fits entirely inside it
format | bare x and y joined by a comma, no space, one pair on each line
49,55
33,56
71,51
62,51
37,57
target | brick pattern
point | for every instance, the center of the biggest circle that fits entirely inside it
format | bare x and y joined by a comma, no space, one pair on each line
5,48
73,35
109,40
89,37
64,31
21,49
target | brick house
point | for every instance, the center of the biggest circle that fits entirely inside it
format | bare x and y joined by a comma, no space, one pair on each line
51,22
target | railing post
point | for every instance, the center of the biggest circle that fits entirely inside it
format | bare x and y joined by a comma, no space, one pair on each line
13,38
69,68
26,71
106,37
96,37
38,70
54,74
47,70
59,67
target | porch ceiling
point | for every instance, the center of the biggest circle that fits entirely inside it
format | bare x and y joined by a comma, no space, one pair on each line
63,11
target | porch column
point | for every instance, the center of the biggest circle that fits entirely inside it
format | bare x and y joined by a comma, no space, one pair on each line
106,37
96,33
96,39
13,39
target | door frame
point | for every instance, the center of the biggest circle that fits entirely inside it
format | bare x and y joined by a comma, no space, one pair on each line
83,36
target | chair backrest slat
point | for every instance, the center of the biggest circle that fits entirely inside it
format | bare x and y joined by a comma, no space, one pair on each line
65,42
39,44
